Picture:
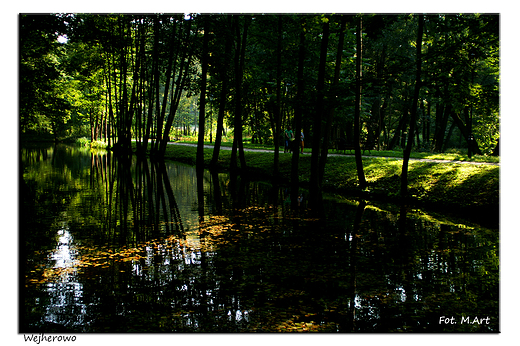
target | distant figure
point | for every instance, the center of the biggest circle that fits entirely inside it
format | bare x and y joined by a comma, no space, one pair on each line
471,139
301,140
288,138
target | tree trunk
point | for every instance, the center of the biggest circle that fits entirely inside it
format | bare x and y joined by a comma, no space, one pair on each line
408,150
239,66
298,118
202,99
448,137
174,103
472,142
278,107
441,122
169,71
496,151
222,102
315,186
330,112
357,110
180,85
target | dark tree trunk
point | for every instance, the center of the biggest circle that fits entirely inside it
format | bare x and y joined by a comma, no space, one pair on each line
448,136
278,107
399,131
441,122
496,151
180,85
472,142
315,186
357,110
222,102
330,112
408,150
298,118
239,66
202,99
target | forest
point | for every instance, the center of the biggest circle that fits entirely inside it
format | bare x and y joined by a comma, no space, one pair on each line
383,82
229,173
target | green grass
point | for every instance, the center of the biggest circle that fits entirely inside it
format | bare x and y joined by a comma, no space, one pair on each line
452,155
449,185
85,142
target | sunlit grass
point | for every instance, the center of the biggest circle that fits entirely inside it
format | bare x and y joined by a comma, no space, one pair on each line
432,182
451,155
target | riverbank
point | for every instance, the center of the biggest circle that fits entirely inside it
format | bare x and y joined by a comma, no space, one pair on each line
462,188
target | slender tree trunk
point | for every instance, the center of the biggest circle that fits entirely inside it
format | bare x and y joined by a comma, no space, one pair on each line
330,112
315,186
123,138
448,137
408,150
242,66
180,85
239,66
148,122
428,122
174,103
222,107
472,143
170,70
202,100
357,110
442,115
496,151
91,124
222,101
110,107
298,118
156,81
278,107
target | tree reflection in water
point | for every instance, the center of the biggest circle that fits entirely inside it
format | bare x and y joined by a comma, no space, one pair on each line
157,246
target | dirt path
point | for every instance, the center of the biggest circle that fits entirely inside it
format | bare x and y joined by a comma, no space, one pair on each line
350,155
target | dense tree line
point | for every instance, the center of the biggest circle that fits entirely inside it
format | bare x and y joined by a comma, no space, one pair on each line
368,81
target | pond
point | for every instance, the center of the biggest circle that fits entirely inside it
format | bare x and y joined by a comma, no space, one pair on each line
131,245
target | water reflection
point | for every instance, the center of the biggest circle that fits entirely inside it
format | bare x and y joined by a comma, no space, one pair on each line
116,245
64,291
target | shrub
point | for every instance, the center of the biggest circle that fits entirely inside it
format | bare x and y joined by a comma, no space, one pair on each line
83,141
98,144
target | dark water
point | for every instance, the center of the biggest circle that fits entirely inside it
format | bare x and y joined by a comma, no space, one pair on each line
111,245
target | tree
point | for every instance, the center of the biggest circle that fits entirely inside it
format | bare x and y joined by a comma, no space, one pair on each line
298,113
278,107
202,102
315,186
334,94
240,49
406,154
357,109
44,106
221,56
125,77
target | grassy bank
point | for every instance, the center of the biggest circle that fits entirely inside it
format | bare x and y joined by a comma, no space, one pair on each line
450,155
450,186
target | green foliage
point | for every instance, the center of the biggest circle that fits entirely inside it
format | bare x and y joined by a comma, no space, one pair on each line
83,141
113,72
98,145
